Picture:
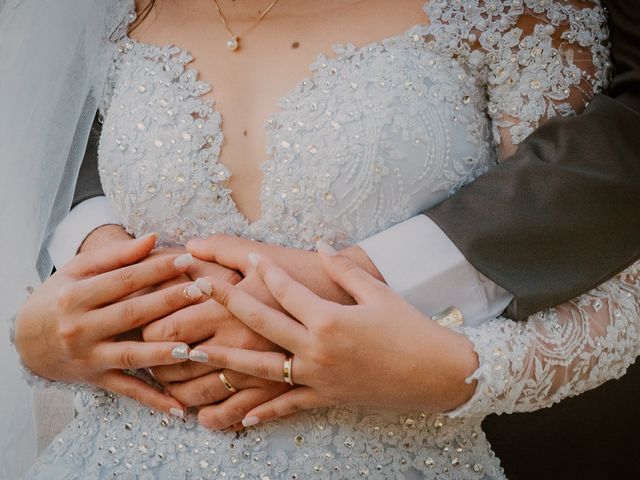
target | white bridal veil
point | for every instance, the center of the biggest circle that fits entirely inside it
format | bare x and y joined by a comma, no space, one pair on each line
52,70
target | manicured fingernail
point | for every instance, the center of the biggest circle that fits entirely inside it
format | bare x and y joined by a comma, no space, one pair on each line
177,412
250,421
253,258
150,234
181,352
324,247
184,260
204,285
193,292
198,356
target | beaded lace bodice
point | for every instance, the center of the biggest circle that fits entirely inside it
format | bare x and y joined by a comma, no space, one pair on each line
373,136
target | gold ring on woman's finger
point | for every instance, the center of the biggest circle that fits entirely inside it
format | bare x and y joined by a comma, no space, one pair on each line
287,373
227,384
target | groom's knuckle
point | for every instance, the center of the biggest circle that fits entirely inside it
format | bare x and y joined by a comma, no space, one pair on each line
292,406
66,299
327,325
221,358
210,420
70,331
236,411
205,392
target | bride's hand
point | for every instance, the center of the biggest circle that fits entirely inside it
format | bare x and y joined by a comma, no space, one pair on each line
380,352
65,330
196,384
108,234
304,266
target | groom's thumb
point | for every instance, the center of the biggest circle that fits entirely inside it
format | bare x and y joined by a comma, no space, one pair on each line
353,279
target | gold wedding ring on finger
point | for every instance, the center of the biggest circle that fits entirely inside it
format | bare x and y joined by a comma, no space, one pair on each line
287,373
225,381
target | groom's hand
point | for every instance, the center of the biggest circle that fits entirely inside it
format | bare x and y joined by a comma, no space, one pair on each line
197,384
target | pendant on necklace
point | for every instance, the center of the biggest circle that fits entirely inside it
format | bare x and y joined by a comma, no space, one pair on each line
233,43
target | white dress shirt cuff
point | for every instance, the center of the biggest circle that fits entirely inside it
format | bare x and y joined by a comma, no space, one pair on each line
75,227
424,266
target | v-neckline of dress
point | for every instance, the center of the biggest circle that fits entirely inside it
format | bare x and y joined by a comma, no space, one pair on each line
414,34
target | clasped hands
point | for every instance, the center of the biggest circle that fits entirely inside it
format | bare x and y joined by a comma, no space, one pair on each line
372,353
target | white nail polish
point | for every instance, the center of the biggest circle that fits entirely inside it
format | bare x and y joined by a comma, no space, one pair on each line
204,285
181,352
253,258
177,412
250,421
184,260
324,247
193,292
198,356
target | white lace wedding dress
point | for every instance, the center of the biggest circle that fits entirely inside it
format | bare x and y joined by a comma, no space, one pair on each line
373,136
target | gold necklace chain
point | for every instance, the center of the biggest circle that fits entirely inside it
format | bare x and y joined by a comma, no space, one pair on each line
234,42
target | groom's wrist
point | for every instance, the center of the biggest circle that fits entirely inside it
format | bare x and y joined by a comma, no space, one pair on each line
103,236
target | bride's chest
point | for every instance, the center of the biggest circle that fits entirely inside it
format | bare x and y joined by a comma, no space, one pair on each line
368,139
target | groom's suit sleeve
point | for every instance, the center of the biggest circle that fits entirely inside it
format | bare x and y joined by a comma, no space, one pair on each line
562,215
554,220
90,209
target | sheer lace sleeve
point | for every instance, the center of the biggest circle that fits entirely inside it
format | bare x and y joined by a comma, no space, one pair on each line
558,353
536,58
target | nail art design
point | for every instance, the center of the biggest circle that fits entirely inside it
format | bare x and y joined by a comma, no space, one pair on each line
192,292
177,412
204,285
181,352
250,421
184,260
198,356
324,247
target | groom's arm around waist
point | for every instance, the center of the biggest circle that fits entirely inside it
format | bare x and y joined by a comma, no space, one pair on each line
562,214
